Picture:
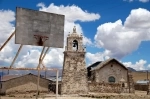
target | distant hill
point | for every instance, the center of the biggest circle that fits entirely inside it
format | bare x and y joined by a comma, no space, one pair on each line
35,72
144,71
131,69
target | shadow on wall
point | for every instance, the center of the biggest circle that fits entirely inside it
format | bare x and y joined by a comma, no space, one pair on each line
52,88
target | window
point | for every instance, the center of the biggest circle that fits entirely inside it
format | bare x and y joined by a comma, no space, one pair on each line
111,79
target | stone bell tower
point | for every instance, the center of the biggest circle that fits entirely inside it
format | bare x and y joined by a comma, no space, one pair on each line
74,76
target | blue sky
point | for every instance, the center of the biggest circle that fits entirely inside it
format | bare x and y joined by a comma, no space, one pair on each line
112,29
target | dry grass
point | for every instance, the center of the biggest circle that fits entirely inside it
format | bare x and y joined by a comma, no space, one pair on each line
140,76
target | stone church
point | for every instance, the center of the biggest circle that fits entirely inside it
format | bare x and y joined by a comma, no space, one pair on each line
74,75
108,71
111,72
107,76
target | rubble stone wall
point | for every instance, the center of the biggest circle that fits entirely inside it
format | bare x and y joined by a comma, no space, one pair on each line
74,78
104,87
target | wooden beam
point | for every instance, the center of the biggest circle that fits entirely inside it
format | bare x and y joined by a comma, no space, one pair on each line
43,66
38,68
16,55
44,54
40,57
57,75
7,40
49,69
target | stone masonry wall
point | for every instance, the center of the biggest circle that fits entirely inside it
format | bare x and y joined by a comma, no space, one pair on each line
104,87
74,78
74,75
111,69
27,83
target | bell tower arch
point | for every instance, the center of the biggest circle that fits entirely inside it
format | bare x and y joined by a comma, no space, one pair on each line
74,76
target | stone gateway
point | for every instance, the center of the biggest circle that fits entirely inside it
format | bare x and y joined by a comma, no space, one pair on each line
74,76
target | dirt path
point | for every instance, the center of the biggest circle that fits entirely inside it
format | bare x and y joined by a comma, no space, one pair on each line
137,95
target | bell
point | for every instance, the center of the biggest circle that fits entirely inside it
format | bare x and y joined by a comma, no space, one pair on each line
74,45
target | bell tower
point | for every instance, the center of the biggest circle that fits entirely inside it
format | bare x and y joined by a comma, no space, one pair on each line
74,76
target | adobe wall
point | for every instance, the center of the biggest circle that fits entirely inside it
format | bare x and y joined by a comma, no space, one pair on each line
27,83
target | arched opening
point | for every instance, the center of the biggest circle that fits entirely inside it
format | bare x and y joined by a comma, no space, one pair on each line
111,79
75,45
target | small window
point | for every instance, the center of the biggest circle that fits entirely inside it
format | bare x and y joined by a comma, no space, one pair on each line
111,79
123,85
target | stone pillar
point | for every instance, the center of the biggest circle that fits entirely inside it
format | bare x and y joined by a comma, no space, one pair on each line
131,83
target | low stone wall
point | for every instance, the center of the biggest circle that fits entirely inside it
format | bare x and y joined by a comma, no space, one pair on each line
104,87
141,87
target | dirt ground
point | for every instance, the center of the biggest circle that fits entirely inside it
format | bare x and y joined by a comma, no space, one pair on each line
137,95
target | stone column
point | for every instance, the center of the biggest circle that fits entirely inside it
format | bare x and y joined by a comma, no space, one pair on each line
130,83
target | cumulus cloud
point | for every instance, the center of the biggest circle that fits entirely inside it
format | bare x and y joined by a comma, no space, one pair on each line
99,56
148,66
6,28
69,29
143,1
139,65
121,39
6,17
72,13
29,55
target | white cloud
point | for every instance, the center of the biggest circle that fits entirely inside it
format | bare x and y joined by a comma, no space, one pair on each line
29,55
72,13
69,29
119,39
143,1
99,56
6,28
148,66
140,65
138,19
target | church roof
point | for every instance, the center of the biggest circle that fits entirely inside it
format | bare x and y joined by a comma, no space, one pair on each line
102,64
94,64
